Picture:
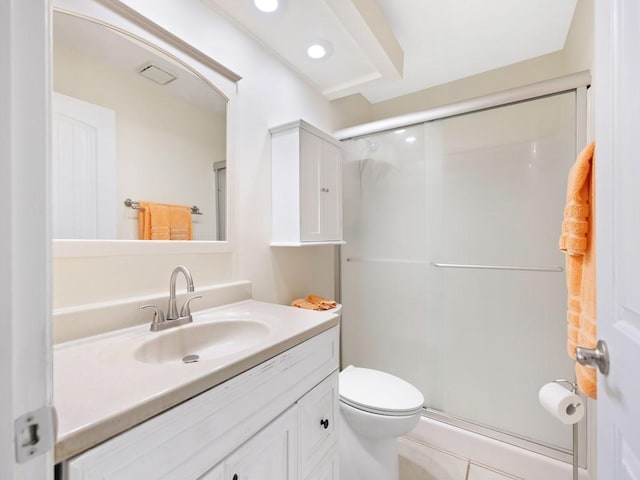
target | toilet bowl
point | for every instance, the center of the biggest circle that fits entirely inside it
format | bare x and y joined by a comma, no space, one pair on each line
375,409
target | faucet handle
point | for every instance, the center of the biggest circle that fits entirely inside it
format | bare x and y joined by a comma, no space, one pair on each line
158,315
185,311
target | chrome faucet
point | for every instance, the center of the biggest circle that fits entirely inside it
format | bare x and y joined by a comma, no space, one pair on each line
173,318
172,309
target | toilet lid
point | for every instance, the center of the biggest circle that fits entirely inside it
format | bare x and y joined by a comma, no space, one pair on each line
378,392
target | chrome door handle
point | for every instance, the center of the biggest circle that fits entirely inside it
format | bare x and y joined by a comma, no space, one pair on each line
594,357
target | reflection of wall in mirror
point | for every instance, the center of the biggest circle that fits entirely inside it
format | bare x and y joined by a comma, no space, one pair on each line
165,145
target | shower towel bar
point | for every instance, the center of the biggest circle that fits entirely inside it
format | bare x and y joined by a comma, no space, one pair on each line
500,267
386,260
455,265
136,206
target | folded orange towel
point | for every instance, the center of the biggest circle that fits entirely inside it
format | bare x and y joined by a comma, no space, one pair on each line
153,221
158,221
322,302
314,302
578,241
302,303
180,224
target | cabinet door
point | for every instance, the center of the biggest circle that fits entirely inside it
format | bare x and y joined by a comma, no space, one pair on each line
216,473
270,455
311,153
331,192
317,419
327,468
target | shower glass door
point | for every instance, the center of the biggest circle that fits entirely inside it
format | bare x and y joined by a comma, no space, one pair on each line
451,274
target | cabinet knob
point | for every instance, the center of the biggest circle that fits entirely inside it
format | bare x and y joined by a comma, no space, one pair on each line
325,423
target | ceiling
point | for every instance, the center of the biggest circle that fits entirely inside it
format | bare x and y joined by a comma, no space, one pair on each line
384,49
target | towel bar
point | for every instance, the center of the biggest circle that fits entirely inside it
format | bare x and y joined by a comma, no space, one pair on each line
136,206
455,265
386,260
499,267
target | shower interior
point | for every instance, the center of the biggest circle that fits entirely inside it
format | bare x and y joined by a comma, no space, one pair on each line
451,277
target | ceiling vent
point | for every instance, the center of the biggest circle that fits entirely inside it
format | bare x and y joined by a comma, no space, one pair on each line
158,75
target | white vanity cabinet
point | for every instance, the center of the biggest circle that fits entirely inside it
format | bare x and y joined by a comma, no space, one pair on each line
306,183
317,416
269,455
276,421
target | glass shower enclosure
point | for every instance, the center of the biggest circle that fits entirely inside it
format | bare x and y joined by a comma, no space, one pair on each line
451,276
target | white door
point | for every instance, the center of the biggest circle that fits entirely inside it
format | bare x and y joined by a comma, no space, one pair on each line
617,110
83,174
25,343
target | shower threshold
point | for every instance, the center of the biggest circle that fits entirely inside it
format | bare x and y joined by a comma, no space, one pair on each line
557,453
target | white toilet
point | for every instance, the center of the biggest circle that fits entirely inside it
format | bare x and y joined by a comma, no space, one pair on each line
375,409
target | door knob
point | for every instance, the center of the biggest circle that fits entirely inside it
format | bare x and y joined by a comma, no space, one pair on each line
594,357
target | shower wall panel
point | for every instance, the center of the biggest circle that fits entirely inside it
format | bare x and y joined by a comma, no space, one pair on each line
480,189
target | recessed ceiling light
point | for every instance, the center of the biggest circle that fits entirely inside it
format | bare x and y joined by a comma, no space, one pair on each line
316,51
410,139
266,6
319,50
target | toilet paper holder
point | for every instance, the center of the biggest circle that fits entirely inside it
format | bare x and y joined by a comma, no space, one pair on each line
574,389
574,385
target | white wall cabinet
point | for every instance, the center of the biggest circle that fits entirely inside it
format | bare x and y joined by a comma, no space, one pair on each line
306,183
276,421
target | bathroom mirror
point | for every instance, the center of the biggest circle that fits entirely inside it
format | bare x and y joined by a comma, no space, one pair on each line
131,122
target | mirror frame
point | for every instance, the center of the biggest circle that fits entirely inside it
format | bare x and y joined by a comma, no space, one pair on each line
128,22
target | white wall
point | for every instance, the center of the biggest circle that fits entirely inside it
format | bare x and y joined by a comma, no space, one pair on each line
268,94
166,147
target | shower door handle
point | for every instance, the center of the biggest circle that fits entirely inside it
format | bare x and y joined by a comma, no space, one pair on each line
594,357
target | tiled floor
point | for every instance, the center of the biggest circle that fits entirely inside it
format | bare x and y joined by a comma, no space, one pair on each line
421,462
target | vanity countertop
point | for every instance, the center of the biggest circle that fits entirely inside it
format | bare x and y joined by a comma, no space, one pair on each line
101,389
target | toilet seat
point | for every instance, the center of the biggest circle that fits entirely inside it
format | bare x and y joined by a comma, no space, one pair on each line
378,392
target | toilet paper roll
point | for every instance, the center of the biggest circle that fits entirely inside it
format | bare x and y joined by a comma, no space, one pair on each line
561,403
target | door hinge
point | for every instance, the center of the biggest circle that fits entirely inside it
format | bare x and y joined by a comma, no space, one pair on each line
35,433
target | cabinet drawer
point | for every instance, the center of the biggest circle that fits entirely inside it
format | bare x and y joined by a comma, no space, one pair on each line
317,423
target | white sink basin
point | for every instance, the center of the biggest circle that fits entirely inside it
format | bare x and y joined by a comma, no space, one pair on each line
208,341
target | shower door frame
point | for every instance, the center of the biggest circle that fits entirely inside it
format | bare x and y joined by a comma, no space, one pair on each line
578,83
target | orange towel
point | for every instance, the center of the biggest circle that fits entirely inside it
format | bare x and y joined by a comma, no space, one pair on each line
578,242
180,224
302,303
314,302
157,221
322,302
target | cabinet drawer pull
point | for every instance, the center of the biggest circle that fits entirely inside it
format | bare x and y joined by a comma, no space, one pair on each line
235,476
325,423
